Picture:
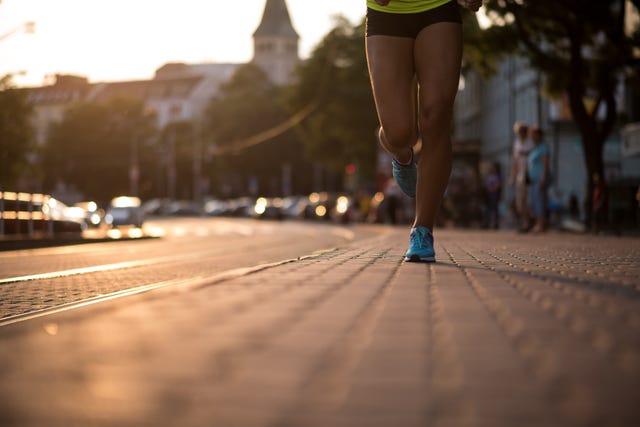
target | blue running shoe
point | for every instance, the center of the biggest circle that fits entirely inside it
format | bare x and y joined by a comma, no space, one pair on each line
406,176
420,246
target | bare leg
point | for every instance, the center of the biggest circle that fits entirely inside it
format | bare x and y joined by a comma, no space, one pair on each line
391,69
438,52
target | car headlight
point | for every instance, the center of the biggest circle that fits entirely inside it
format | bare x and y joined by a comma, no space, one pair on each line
95,219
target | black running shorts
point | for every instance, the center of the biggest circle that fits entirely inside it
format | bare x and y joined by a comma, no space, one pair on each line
409,24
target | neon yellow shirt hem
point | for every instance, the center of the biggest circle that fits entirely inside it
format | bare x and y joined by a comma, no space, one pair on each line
406,6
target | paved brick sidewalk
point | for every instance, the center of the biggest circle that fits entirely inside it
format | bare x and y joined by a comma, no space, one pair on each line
505,330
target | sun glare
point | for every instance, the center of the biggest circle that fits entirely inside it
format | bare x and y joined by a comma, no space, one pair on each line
128,40
121,39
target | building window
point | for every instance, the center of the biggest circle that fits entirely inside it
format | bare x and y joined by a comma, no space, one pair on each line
265,47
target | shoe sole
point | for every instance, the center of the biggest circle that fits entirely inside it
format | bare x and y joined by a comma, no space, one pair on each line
417,258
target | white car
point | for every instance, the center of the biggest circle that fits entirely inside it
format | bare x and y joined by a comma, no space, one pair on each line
125,210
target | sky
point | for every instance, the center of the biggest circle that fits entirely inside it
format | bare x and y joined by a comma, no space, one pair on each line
115,40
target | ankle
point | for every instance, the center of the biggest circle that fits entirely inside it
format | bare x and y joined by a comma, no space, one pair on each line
404,156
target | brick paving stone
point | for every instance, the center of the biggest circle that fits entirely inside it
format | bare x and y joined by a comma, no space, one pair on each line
503,330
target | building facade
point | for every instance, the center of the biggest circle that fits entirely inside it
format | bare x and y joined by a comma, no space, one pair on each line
486,111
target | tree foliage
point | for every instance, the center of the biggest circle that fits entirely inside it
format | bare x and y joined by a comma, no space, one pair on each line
581,49
176,145
341,129
249,106
92,148
16,133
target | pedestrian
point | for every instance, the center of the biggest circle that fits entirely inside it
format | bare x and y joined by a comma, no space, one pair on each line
492,194
409,42
539,178
518,180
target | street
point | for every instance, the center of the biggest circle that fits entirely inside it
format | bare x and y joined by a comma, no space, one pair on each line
189,249
226,322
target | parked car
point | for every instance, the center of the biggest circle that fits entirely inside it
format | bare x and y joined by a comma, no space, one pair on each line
155,207
344,210
215,207
241,207
293,207
320,205
92,215
268,208
125,210
183,208
64,219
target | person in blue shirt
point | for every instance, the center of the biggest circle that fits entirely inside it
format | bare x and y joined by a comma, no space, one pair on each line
539,178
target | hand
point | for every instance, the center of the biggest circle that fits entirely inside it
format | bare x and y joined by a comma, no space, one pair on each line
383,2
473,5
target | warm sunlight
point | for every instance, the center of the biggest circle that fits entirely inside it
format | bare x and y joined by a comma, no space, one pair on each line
123,40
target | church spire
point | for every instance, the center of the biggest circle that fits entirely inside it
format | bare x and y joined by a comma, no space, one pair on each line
276,21
275,42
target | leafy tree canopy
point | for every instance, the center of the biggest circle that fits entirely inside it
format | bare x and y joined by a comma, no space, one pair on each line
248,126
16,133
341,129
581,48
91,149
247,105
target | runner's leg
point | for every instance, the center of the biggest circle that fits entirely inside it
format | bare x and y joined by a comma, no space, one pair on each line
391,69
438,54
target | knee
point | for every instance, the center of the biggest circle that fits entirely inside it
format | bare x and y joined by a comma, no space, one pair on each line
400,135
435,119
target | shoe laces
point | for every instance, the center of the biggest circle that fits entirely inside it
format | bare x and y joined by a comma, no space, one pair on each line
420,236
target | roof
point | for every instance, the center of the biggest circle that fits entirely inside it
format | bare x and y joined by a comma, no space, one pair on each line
276,21
150,89
64,90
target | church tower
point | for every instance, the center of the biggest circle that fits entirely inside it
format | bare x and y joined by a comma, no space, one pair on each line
275,42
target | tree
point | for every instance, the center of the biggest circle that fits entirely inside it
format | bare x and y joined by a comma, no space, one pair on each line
93,147
16,133
341,129
248,125
581,49
178,142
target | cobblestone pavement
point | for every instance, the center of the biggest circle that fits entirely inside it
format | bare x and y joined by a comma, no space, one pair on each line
504,330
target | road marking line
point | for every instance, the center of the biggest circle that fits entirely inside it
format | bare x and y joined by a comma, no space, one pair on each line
85,302
73,272
190,284
96,269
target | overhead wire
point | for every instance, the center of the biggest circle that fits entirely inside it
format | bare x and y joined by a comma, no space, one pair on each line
290,122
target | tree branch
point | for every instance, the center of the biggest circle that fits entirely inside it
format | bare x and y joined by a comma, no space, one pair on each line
542,57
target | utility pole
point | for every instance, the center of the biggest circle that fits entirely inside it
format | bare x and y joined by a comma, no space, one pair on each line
134,168
197,166
171,166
